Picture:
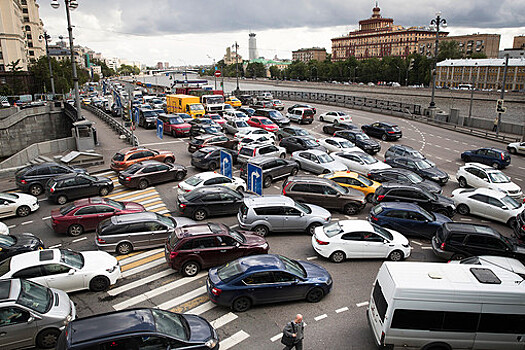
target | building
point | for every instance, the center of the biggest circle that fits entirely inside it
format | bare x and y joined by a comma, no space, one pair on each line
159,65
34,29
487,44
307,55
481,73
280,64
519,42
513,53
252,47
378,37
59,52
166,65
231,57
113,63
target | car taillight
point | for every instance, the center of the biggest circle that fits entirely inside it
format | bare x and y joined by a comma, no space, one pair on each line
128,178
342,118
52,189
55,222
216,291
373,218
321,242
23,182
523,228
173,255
382,341
380,197
100,240
390,132
254,151
502,156
182,206
284,188
442,246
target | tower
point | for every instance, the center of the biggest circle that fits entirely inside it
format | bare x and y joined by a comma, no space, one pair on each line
252,47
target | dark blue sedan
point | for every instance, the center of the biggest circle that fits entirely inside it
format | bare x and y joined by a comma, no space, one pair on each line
268,278
407,218
494,157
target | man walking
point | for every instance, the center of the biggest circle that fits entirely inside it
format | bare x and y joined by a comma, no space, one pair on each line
495,125
293,334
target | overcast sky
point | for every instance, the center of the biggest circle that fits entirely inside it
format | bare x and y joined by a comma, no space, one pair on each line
191,31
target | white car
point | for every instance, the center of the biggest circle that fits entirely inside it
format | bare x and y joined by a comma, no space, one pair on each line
4,230
480,175
338,144
254,139
254,133
19,204
506,263
335,117
211,178
359,161
235,115
64,269
353,239
516,147
486,203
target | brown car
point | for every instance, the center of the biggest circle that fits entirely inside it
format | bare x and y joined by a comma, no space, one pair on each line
324,193
129,156
206,140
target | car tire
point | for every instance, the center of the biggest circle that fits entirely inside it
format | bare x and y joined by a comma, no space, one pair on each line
437,347
462,182
311,228
512,223
47,339
267,182
240,189
200,214
495,165
282,155
338,256
169,160
36,190
512,150
351,209
396,255
294,171
369,198
463,209
180,175
261,230
99,284
321,119
124,248
458,256
61,200
315,295
23,211
212,166
75,230
325,130
190,268
103,191
241,304
384,137
143,184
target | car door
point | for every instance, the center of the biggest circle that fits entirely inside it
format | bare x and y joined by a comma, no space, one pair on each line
484,245
496,210
33,273
261,288
208,249
351,243
102,212
289,287
229,249
279,167
231,202
7,207
272,215
474,177
329,196
83,188
63,277
375,129
418,224
17,328
293,219
213,203
398,220
374,246
305,161
87,217
478,156
478,204
291,145
157,234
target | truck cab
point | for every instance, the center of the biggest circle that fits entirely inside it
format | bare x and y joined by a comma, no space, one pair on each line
213,103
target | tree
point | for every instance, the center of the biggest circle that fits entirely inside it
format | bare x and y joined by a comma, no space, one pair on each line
126,69
275,72
478,55
255,69
96,77
106,71
14,66
448,49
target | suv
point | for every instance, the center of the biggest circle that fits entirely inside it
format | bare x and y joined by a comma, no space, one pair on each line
394,192
403,151
72,186
194,247
33,179
206,140
423,167
274,115
174,125
301,115
260,149
481,175
325,193
495,157
208,158
383,130
280,214
147,118
128,156
455,241
272,167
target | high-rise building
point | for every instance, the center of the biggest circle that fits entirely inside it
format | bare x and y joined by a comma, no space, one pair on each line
487,44
252,47
307,55
160,65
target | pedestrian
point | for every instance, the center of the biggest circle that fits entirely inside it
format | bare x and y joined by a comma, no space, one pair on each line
495,126
293,334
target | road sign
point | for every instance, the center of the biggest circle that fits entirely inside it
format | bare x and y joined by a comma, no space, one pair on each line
217,73
136,116
160,129
226,164
255,179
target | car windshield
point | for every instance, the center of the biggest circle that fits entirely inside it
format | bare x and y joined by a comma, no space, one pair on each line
362,137
414,178
214,99
115,204
196,107
7,241
240,115
215,117
91,178
171,324
266,121
119,157
241,124
510,202
176,121
346,144
382,232
332,229
293,266
165,220
149,113
303,207
185,116
35,296
276,114
365,180
368,159
71,258
301,132
498,177
211,129
423,164
310,143
194,180
324,158
239,237
230,271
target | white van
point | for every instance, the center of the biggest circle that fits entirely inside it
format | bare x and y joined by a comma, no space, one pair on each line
436,306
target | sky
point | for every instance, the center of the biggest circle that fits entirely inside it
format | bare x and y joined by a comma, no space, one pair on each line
192,32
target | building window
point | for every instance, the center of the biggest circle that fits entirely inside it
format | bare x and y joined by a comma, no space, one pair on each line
28,28
2,68
25,10
31,53
1,55
29,36
24,2
30,44
26,19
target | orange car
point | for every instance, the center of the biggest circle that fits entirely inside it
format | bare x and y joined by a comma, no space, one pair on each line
129,156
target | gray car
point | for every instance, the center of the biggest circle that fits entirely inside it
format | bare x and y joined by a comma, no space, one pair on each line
280,214
317,162
32,315
234,125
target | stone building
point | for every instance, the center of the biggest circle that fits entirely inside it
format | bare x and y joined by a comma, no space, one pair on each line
487,44
307,55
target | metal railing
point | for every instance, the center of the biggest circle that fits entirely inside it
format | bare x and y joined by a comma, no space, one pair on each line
71,112
114,124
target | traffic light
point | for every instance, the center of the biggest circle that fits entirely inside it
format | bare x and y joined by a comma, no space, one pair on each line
499,106
411,65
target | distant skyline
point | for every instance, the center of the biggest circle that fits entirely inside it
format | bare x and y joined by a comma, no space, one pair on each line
187,32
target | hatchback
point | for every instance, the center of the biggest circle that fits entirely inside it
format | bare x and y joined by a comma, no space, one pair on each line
403,151
72,186
129,156
174,125
301,105
317,161
263,123
423,167
151,172
33,179
481,175
19,204
207,201
495,157
295,143
301,115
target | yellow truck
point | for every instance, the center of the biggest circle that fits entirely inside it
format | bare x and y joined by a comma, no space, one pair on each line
185,104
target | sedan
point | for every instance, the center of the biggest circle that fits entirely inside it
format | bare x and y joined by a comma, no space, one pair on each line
211,178
336,144
143,174
66,187
423,167
516,148
208,158
294,143
263,123
382,130
359,161
403,176
211,140
354,239
318,162
18,204
266,279
254,133
196,130
11,245
292,131
236,125
207,201
360,139
332,128
335,117
301,105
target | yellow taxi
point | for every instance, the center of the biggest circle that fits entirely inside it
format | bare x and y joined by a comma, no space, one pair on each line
233,101
354,180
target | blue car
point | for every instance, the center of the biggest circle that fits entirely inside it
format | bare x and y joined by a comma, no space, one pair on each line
407,218
268,278
495,157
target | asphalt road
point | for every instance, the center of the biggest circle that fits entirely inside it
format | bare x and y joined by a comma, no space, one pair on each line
337,322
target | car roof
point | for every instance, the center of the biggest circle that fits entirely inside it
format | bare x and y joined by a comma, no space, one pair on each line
262,159
64,177
34,258
355,225
202,229
405,147
338,139
400,206
133,149
133,217
313,151
492,148
389,185
398,170
268,200
308,178
486,191
208,175
149,162
205,136
355,153
470,228
263,262
89,201
479,165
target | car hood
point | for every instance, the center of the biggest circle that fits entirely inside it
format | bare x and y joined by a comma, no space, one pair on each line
132,206
200,329
4,230
315,273
62,307
379,165
26,198
104,179
441,219
430,186
434,172
335,166
28,240
253,239
507,186
368,142
318,211
445,200
98,261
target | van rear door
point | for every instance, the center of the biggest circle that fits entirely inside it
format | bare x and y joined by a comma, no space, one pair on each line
381,299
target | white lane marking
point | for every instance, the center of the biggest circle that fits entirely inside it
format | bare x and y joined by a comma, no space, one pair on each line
437,157
234,340
225,319
133,258
416,242
276,337
144,267
11,226
54,246
464,143
276,187
27,223
311,258
207,306
518,179
140,282
341,310
150,201
438,146
234,226
136,194
465,219
364,303
458,163
162,212
426,248
439,137
320,317
448,149
522,168
456,141
111,172
46,218
182,299
79,239
160,143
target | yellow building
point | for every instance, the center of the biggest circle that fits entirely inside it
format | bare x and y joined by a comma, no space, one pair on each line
307,55
468,44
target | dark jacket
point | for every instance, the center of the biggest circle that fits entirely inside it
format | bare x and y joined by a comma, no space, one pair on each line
297,328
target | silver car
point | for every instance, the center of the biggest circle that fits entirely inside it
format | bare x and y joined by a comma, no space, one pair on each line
32,315
317,162
280,214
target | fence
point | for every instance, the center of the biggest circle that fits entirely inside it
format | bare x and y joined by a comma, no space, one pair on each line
114,124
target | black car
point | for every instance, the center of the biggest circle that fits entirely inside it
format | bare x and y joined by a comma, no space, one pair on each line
208,158
208,201
384,131
422,167
403,151
273,168
207,140
394,192
274,115
147,118
11,245
246,99
201,129
291,131
360,139
404,176
298,105
330,129
33,179
519,228
73,186
247,110
141,175
297,143
455,241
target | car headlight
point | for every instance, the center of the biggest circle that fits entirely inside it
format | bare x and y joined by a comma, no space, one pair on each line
67,319
211,343
406,245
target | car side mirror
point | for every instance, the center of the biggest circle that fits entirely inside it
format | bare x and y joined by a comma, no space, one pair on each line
385,241
31,319
71,272
295,281
338,194
302,214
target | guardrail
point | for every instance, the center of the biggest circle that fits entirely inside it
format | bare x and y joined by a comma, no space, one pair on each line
71,112
114,124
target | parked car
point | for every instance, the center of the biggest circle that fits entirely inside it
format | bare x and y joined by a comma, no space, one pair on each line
338,144
233,126
255,149
265,96
174,125
330,129
317,161
301,115
403,151
495,157
129,156
506,263
211,178
384,131
11,245
246,99
209,201
359,161
147,118
324,193
4,230
185,116
423,167
233,101
151,172
480,175
217,118
194,247
360,139
301,105
72,186
274,115
32,179
278,105
351,239
335,117
208,158
206,140
486,203
203,129
292,131
263,123
354,180
273,168
262,104
248,111
519,228
32,315
19,204
516,148
295,143
403,176
407,218
268,278
255,133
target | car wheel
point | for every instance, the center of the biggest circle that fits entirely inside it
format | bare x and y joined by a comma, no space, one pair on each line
261,230
267,181
321,119
99,284
124,248
458,256
241,304
282,155
62,200
240,189
180,175
212,166
462,182
512,150
103,191
143,183
311,228
338,256
495,165
351,209
190,269
294,171
75,230
437,347
396,255
200,214
369,197
463,209
315,295
384,137
512,222
23,210
36,189
169,160
47,339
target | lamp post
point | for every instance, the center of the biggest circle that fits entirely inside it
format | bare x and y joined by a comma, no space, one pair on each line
436,23
46,37
236,46
502,96
71,4
473,81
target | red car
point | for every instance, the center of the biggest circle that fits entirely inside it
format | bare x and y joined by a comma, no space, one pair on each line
263,123
85,214
216,118
191,248
174,125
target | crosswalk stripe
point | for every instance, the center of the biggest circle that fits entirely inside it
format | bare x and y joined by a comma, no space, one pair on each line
110,172
136,195
148,197
162,207
235,339
225,319
163,211
139,192
143,267
126,259
150,201
156,206
182,299
132,265
142,281
207,306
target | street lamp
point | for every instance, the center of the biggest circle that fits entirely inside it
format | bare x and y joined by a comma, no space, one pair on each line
46,37
71,4
236,46
436,23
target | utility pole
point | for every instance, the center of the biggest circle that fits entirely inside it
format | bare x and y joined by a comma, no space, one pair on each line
130,106
436,22
46,37
502,96
73,63
472,93
237,65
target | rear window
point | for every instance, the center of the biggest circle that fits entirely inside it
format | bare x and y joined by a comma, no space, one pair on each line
230,271
173,239
245,151
378,209
197,141
308,112
380,301
133,169
119,157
